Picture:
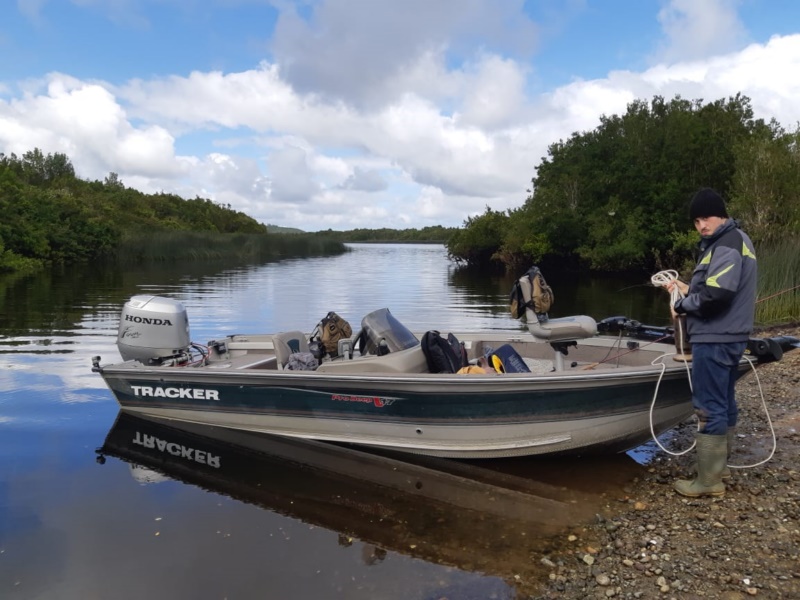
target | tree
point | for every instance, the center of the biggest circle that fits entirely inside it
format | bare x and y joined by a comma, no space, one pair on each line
765,193
615,196
480,240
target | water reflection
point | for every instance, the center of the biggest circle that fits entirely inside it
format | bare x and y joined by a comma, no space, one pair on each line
71,529
495,518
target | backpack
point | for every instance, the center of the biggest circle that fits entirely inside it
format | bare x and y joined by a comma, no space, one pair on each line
444,355
541,295
333,328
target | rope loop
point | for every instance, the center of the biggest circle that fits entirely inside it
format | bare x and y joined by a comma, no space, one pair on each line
663,279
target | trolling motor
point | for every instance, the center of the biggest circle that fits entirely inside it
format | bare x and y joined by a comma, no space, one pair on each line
765,350
631,328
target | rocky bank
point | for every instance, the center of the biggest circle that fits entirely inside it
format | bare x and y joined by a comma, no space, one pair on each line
653,543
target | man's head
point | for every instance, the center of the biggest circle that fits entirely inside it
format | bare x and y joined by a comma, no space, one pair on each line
707,211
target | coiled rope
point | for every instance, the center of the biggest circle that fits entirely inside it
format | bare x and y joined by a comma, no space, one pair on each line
664,279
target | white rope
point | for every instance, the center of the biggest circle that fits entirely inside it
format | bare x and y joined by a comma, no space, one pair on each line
659,360
664,279
769,421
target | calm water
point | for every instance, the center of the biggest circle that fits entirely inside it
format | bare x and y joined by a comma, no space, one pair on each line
268,525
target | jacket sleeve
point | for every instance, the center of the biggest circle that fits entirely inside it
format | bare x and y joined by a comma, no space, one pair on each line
714,283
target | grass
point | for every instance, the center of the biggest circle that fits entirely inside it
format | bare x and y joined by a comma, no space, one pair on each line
245,247
779,271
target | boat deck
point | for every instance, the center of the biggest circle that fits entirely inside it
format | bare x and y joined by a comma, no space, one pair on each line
244,353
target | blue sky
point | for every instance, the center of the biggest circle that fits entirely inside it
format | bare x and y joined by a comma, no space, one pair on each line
365,113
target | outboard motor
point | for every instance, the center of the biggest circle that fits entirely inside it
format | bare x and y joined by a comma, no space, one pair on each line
153,330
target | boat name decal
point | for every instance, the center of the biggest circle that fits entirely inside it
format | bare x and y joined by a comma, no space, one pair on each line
179,450
172,392
149,320
376,400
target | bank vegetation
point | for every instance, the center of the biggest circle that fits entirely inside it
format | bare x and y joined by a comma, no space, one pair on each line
615,199
50,216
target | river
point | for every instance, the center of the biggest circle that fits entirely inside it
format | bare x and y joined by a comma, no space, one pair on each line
78,523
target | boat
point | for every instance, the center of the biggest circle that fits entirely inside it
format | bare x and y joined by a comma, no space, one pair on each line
566,385
426,508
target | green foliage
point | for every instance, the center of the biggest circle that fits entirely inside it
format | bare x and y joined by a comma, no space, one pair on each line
480,240
617,241
779,282
522,244
616,198
433,234
14,263
52,217
278,229
251,248
765,194
35,168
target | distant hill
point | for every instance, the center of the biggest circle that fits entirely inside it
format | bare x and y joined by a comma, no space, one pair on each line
279,229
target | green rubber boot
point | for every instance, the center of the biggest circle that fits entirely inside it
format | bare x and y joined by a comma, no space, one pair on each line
726,471
712,454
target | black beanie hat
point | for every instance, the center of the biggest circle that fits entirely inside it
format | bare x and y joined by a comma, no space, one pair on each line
707,203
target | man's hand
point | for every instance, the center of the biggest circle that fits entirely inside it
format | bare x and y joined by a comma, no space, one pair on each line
683,288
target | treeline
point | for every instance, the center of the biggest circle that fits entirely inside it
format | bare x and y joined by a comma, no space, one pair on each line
616,198
50,216
433,234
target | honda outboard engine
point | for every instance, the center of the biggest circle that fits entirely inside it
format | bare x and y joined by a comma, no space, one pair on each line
153,330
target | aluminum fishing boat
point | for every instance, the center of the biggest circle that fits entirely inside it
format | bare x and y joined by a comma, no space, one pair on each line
571,389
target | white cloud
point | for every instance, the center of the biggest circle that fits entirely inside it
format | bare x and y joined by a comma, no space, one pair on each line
291,175
400,126
365,180
358,50
697,30
86,122
493,93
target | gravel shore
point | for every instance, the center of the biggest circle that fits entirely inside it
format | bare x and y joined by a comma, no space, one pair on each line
654,543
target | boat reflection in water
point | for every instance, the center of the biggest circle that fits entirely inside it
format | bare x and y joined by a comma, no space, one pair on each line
476,518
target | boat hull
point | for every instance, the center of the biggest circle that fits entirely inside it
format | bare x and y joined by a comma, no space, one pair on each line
448,416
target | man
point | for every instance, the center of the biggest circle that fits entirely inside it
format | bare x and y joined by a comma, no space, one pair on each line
719,305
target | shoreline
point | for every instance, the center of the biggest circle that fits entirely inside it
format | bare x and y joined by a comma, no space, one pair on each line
653,543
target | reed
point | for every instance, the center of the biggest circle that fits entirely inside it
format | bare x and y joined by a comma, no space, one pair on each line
244,247
778,271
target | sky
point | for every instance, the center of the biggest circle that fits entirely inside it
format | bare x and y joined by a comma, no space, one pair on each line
345,114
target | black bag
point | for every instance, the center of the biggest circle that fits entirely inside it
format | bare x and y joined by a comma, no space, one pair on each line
444,355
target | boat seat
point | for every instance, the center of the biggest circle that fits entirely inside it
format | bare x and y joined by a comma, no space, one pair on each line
288,343
563,329
561,333
410,360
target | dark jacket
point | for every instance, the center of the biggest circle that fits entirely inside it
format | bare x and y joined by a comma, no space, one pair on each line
720,306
